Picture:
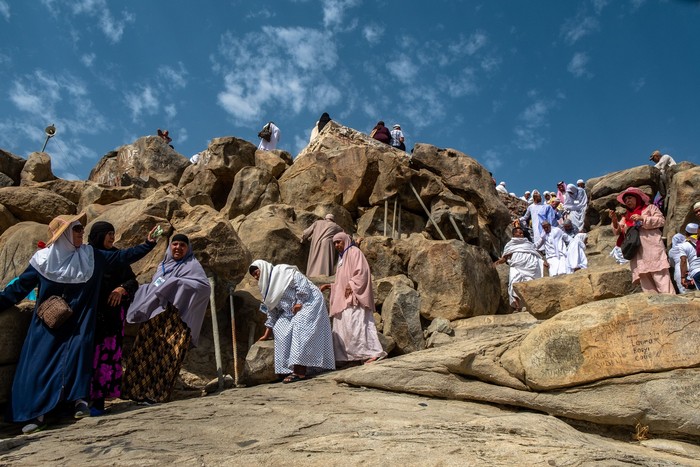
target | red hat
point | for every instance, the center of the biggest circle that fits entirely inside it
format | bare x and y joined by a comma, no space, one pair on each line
635,192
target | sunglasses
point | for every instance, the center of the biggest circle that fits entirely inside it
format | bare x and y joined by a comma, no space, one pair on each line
78,229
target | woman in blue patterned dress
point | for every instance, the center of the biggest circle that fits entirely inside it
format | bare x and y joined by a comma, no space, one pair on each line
297,318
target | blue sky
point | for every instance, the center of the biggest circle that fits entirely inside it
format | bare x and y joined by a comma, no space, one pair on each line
536,91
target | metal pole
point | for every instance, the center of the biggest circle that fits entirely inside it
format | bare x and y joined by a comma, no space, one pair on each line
430,218
386,208
454,224
215,331
398,233
234,341
393,218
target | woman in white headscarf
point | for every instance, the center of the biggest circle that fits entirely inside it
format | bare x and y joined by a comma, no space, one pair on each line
55,364
297,318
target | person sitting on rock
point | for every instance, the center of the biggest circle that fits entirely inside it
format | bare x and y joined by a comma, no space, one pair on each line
165,136
352,304
525,263
320,125
297,319
321,261
576,253
674,257
172,308
397,138
381,133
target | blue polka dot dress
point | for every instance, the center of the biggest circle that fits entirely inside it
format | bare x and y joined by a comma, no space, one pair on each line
303,338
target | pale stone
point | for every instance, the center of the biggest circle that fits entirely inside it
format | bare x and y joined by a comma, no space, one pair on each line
35,204
617,337
252,189
401,319
11,165
14,323
37,169
382,286
548,296
682,195
260,363
275,162
17,245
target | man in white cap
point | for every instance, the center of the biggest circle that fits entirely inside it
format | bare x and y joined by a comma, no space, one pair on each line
662,162
580,183
526,197
397,139
690,262
502,188
554,241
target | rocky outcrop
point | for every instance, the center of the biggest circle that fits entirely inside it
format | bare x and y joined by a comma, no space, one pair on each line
275,162
37,169
35,204
214,173
682,194
17,245
252,189
11,165
401,318
14,322
147,162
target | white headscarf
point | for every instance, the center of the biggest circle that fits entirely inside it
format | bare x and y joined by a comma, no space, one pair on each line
62,262
273,281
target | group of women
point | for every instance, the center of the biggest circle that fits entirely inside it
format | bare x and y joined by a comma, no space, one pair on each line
75,363
299,322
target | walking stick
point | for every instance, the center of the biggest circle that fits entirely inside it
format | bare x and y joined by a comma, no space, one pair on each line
234,341
215,331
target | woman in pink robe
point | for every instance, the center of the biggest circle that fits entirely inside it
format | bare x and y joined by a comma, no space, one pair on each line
650,264
352,303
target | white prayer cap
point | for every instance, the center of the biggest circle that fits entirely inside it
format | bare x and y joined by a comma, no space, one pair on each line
330,217
396,125
696,206
579,181
546,193
502,183
691,228
527,192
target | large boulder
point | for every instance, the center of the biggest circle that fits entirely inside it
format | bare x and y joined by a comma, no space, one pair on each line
275,162
272,234
14,323
454,279
7,219
260,364
252,189
35,204
94,193
346,167
386,256
398,222
548,296
384,285
17,245
37,169
623,336
682,193
147,162
11,165
401,318
216,169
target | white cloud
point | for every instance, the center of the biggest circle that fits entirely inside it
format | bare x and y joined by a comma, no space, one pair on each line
492,160
403,69
460,85
111,26
170,111
638,84
287,67
88,59
598,5
334,11
637,4
25,99
172,77
114,28
476,41
5,10
577,65
142,103
182,135
491,63
579,27
528,133
373,33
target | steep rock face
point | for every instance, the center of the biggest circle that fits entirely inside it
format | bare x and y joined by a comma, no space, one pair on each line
216,169
252,189
275,162
602,191
17,245
683,192
147,162
401,318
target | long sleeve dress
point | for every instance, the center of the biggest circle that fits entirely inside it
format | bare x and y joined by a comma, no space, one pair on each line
55,365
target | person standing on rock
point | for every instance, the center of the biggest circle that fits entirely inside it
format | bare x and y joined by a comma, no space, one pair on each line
352,304
172,308
297,319
674,258
533,215
381,133
320,125
689,260
116,292
576,204
269,137
554,241
321,261
55,365
650,264
576,253
525,263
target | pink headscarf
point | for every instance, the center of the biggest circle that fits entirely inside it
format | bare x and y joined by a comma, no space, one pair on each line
352,269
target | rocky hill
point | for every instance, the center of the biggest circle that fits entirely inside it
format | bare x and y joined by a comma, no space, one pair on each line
590,348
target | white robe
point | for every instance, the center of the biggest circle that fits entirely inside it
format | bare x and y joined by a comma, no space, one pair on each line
525,264
555,243
274,139
576,253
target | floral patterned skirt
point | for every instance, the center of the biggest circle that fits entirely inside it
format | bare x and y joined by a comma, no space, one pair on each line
107,363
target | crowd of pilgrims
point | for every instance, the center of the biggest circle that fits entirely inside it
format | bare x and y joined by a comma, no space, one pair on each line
550,237
72,368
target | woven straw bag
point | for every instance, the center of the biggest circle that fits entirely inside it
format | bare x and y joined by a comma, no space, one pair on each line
54,311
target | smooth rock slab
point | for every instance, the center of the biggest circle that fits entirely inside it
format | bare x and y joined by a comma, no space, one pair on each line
616,337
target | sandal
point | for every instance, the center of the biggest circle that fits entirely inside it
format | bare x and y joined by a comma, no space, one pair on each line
33,427
293,378
374,359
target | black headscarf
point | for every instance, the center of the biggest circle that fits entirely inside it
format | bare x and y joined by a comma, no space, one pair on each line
98,232
325,118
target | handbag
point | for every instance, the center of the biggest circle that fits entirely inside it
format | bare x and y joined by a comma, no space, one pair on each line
54,311
631,243
266,133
